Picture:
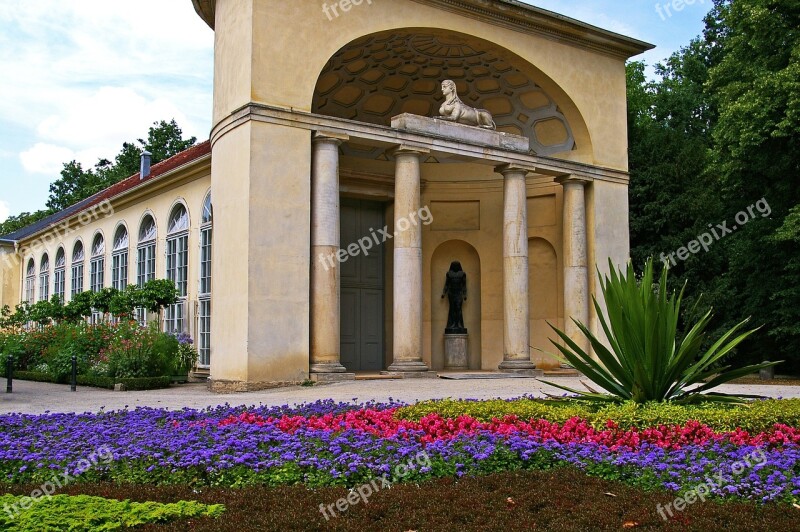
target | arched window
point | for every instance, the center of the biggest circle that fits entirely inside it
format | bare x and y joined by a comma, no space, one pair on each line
44,278
97,272
204,297
146,251
30,282
60,275
178,266
78,256
119,259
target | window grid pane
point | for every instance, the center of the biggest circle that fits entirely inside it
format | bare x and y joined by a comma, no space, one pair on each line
59,284
119,270
77,278
205,261
97,274
145,264
204,332
175,319
30,287
44,287
177,263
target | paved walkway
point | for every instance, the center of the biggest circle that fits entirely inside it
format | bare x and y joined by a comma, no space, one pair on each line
37,398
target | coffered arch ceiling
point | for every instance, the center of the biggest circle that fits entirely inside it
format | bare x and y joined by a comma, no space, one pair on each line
379,76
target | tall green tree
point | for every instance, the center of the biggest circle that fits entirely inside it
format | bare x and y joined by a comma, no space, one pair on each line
671,191
164,139
756,86
715,133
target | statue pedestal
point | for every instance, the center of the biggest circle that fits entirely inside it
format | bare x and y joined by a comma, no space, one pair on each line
456,354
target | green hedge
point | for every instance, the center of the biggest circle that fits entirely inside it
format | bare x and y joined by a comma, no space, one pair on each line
137,384
86,513
141,383
757,416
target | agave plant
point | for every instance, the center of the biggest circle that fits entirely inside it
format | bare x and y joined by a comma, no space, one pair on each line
646,360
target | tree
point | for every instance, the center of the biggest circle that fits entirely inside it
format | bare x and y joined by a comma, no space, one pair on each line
716,133
756,86
164,139
672,195
14,223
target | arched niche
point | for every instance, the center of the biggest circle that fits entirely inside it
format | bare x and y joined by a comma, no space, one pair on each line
543,298
378,76
446,253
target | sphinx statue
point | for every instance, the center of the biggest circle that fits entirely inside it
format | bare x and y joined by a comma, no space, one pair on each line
454,110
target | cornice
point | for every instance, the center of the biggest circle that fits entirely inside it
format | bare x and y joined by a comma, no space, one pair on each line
516,16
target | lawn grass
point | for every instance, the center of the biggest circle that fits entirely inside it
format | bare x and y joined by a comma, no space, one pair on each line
560,499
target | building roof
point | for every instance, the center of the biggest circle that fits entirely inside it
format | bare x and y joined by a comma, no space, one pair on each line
186,156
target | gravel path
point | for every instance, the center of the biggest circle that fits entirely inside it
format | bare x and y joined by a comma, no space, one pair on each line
37,398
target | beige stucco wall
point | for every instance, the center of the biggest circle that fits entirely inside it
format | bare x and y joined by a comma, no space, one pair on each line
288,44
260,178
10,270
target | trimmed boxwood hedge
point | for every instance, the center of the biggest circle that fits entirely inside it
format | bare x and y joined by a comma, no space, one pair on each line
756,416
141,383
138,384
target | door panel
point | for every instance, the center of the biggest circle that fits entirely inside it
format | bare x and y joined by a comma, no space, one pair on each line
371,329
350,317
362,288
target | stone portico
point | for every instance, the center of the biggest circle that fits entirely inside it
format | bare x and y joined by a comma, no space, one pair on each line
324,131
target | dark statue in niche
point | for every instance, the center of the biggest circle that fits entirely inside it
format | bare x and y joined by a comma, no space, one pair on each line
455,288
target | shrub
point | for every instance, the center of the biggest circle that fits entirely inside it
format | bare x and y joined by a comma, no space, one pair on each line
138,351
754,417
84,512
82,340
186,356
646,361
136,384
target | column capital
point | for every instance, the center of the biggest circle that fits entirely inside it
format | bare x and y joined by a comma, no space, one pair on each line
511,168
405,149
570,178
329,137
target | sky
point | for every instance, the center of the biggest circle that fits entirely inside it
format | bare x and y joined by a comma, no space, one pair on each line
80,77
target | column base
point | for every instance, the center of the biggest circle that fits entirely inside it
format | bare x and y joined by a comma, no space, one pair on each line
520,367
408,366
334,367
425,374
332,377
229,387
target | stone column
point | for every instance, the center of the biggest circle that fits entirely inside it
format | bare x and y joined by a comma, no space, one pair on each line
576,273
516,314
325,316
407,333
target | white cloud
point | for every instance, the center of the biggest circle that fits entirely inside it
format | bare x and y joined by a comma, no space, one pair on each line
109,113
44,158
84,77
4,211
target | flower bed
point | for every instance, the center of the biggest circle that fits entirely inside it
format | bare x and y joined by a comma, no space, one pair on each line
325,443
